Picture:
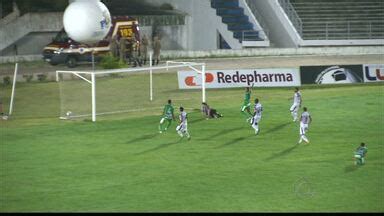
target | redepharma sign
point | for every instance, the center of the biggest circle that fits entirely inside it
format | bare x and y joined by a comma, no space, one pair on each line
373,72
240,78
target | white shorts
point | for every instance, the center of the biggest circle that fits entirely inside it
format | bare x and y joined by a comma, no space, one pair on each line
255,120
358,156
294,107
182,127
303,128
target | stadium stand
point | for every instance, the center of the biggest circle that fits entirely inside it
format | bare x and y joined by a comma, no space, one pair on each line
233,15
336,19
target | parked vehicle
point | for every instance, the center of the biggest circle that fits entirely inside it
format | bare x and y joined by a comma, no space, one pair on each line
64,50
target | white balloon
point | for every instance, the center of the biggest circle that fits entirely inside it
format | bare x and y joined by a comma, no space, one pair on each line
87,21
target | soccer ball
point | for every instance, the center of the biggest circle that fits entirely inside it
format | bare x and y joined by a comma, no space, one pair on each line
69,114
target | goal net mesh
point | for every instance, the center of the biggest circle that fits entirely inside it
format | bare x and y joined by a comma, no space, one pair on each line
122,93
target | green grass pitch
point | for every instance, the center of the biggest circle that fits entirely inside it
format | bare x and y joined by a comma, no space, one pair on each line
122,163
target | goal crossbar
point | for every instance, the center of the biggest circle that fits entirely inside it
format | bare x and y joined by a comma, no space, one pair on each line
175,64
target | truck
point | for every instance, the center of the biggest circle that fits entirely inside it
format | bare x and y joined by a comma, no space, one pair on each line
64,50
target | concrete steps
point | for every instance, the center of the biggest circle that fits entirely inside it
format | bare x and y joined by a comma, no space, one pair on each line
30,22
233,15
354,18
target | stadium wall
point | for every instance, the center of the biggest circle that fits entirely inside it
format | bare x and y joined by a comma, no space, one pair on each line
203,24
282,32
174,37
30,22
322,51
179,54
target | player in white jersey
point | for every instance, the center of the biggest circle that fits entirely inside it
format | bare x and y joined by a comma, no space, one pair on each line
182,129
305,120
257,116
296,104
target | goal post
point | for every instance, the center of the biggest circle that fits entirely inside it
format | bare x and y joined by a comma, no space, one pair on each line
13,89
81,91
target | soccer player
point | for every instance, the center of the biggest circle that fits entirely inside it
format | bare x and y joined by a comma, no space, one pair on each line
167,116
182,129
209,112
257,116
296,104
247,104
360,154
305,120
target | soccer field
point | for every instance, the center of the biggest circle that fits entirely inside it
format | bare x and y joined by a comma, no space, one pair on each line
121,162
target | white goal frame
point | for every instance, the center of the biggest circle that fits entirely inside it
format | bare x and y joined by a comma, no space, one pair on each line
169,65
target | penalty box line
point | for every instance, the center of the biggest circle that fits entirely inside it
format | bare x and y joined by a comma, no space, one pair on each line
118,112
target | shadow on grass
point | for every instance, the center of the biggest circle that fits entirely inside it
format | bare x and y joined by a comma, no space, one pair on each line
142,138
282,153
159,147
223,132
196,120
350,168
234,141
278,127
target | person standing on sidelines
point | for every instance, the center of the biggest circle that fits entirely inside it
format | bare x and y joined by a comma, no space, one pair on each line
167,116
144,49
114,46
296,104
257,116
305,120
135,54
182,129
156,50
1,107
245,108
123,49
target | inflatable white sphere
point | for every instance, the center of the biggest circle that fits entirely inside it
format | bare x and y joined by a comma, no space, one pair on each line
87,21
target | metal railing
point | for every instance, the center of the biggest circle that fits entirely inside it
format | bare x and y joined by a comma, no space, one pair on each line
259,18
345,30
161,20
332,30
293,16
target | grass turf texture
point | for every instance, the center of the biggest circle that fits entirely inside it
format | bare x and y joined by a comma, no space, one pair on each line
122,163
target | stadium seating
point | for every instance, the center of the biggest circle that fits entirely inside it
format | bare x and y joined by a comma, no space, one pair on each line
233,15
340,19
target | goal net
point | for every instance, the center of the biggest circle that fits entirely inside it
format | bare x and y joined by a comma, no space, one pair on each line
87,94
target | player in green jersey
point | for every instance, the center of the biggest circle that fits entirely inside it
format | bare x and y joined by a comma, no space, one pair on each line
360,154
167,116
245,109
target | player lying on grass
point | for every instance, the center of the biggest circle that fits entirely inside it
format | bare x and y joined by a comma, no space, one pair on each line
167,116
305,120
245,109
257,116
360,153
209,112
182,129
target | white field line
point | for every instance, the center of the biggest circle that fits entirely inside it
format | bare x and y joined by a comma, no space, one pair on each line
116,112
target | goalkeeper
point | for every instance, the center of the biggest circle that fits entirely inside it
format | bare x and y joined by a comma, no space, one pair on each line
209,112
360,154
167,116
